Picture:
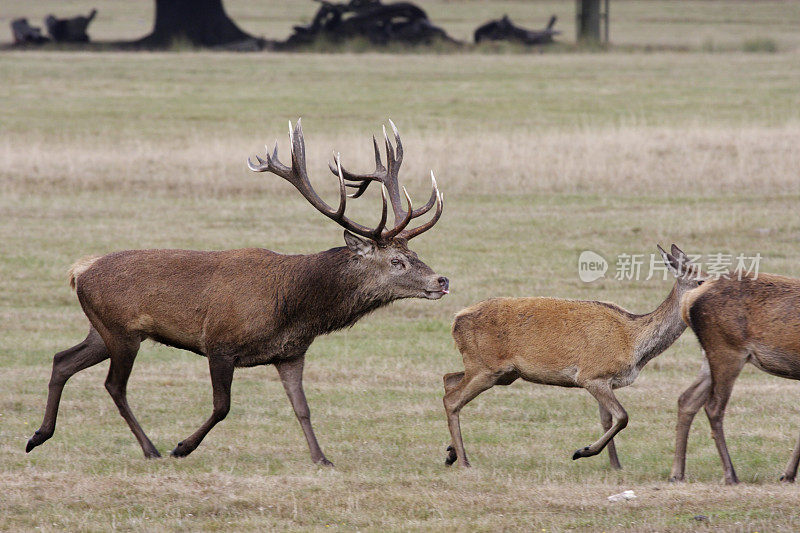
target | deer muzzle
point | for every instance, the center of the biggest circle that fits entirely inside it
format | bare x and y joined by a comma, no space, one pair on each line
442,289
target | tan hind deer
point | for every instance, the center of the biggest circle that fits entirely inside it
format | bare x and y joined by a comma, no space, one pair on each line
568,343
241,308
738,320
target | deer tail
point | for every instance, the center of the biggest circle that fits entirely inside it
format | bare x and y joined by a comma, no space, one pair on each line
79,267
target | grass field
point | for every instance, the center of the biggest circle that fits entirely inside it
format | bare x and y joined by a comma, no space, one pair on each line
539,157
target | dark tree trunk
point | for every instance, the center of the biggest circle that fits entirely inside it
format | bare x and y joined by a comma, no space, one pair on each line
200,22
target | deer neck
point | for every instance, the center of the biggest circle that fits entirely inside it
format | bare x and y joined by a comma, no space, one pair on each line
659,329
336,293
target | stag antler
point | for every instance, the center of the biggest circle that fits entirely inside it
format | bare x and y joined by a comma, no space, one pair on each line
388,177
298,176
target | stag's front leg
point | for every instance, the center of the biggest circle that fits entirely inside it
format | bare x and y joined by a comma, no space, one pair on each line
291,374
221,368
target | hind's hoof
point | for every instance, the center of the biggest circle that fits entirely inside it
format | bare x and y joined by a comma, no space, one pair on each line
181,450
583,452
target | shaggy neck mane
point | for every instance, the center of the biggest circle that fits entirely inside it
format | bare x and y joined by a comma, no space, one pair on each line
332,292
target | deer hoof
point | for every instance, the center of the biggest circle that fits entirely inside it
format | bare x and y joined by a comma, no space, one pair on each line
451,456
676,479
787,479
582,452
181,450
37,438
324,462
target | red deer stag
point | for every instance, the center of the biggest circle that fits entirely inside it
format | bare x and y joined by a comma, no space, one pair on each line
738,320
568,343
242,308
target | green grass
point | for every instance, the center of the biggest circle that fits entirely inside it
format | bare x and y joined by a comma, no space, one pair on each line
539,157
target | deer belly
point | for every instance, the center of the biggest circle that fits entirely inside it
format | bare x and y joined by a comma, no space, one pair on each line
561,378
625,378
776,361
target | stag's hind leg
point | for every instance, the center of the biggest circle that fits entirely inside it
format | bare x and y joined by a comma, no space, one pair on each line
123,351
221,368
65,364
602,392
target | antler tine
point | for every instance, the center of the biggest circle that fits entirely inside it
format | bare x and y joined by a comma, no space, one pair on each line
409,214
378,163
298,145
393,162
342,191
375,175
339,171
389,150
410,234
397,141
382,224
431,201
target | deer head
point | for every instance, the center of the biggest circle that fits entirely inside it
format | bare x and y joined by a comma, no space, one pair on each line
380,254
688,275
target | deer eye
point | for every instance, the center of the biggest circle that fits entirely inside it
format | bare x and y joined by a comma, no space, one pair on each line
397,262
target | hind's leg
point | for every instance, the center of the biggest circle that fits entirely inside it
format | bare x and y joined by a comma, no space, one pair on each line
88,353
606,421
450,381
473,383
602,392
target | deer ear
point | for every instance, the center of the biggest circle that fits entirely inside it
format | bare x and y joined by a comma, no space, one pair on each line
359,246
678,253
673,264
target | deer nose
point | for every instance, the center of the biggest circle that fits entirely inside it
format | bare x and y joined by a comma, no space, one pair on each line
444,283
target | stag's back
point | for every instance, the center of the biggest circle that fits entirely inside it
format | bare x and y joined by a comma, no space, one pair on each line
181,297
546,338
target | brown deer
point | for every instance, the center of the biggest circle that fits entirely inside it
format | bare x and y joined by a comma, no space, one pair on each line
242,308
568,343
738,319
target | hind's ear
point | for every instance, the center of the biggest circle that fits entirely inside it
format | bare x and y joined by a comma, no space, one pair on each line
359,246
679,255
672,263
